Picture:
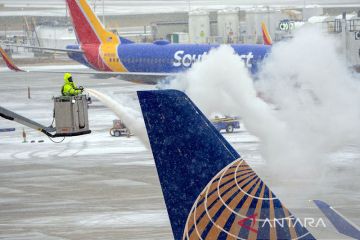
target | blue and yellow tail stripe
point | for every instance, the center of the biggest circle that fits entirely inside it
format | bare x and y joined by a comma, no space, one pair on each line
110,56
233,195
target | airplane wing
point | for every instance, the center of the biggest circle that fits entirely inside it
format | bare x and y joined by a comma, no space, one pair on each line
140,77
266,35
210,192
341,224
47,49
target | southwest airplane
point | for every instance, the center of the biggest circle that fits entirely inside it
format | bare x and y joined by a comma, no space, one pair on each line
111,55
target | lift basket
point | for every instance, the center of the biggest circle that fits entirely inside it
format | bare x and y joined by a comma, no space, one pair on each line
71,115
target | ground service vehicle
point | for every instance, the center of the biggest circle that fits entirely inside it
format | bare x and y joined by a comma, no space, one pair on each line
119,129
226,123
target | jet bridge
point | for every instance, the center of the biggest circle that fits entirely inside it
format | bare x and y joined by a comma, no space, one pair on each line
70,114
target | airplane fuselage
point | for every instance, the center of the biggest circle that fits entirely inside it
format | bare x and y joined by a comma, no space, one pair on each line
158,57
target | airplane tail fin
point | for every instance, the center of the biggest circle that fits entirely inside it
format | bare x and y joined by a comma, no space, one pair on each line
209,191
266,35
9,62
88,28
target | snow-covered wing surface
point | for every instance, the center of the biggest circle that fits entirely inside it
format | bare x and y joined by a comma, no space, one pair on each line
342,225
47,49
209,190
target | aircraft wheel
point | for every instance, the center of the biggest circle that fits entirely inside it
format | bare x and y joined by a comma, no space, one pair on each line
229,128
117,133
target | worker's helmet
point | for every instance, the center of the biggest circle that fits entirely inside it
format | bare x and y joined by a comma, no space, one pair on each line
67,77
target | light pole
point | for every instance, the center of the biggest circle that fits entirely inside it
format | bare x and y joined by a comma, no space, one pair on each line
303,12
103,3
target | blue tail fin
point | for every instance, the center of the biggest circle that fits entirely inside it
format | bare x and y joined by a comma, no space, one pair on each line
209,191
340,223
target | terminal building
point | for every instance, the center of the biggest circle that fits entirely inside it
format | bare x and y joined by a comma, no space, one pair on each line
222,26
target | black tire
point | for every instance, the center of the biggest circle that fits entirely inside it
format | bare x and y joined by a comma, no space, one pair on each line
229,128
117,133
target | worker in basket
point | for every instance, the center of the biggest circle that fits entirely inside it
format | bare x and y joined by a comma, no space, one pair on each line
69,88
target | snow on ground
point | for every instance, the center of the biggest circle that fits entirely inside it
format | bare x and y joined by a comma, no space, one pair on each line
100,187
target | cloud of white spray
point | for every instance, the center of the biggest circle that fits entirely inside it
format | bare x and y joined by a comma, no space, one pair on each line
318,98
132,118
221,83
306,78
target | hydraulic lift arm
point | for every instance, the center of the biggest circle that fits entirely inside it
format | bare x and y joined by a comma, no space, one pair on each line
71,117
9,115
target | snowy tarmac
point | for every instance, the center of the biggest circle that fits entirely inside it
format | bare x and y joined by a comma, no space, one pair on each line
100,187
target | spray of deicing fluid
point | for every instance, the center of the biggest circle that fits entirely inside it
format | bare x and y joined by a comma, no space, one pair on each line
317,100
132,118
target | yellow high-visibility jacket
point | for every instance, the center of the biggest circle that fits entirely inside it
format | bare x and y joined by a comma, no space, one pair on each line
70,89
